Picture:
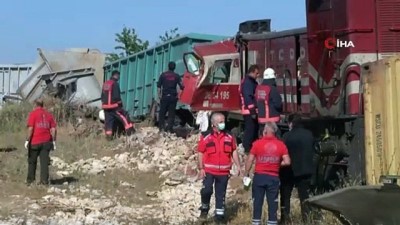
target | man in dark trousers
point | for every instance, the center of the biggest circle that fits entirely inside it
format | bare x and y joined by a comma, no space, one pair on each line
300,144
168,95
270,154
269,101
41,139
247,90
112,106
216,152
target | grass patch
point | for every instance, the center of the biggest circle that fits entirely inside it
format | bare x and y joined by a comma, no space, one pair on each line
13,117
111,184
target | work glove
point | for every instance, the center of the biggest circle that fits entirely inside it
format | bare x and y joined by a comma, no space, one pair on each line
246,181
26,145
54,145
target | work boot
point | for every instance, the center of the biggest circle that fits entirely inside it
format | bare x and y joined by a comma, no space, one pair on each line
29,183
170,130
43,183
285,221
130,131
109,138
203,213
219,219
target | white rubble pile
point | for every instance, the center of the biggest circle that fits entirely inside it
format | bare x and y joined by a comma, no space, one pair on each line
94,166
178,200
181,203
71,209
81,190
14,221
166,154
148,151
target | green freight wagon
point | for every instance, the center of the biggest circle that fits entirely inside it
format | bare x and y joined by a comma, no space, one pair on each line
140,72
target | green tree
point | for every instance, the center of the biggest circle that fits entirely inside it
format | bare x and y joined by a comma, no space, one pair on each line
128,43
168,35
111,57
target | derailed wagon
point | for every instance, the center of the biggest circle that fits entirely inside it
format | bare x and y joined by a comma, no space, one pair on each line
140,71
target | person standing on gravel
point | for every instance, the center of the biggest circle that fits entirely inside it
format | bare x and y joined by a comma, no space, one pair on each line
216,150
41,139
112,106
270,154
168,95
300,144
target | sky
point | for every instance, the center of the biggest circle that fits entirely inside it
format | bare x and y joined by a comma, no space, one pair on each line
26,25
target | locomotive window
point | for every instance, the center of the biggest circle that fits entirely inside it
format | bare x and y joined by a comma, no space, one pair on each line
221,71
192,63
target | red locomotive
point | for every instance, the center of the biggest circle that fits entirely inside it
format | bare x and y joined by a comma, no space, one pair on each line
318,73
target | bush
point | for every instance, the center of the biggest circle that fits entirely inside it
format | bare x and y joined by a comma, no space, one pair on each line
13,117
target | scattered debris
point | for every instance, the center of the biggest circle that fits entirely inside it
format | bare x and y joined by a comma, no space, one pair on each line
176,202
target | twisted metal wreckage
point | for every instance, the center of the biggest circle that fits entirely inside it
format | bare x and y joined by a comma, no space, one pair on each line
73,76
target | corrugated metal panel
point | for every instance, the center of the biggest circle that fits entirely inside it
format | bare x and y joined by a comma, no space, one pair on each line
12,76
382,118
140,72
388,20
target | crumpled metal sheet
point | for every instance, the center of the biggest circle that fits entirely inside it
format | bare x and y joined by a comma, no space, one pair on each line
58,61
363,205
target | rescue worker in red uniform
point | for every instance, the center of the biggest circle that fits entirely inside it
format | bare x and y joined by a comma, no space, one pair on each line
112,106
41,139
269,101
270,154
247,90
216,149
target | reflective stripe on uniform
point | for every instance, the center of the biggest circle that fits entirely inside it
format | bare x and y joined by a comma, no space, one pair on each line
271,119
213,166
108,88
110,106
205,206
219,212
127,124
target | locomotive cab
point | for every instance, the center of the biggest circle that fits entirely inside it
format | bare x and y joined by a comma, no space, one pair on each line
212,77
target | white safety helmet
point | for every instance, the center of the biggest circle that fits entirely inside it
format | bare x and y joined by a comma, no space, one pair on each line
269,73
102,117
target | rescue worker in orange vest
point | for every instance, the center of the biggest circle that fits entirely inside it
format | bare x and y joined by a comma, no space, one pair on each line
269,154
112,106
247,90
269,101
216,149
